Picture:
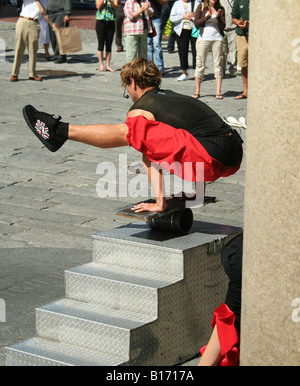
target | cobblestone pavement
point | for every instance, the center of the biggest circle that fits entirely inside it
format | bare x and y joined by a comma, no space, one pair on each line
49,206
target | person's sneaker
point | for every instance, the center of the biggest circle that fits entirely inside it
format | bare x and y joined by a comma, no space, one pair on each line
43,125
182,77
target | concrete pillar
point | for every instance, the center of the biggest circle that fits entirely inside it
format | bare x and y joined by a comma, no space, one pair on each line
270,329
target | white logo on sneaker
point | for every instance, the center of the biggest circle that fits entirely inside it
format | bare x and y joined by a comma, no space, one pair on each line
41,129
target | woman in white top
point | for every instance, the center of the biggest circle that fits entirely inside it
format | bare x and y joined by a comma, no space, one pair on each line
211,21
182,15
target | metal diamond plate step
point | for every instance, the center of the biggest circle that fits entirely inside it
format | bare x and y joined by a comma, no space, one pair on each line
125,246
116,287
135,246
42,352
90,326
147,298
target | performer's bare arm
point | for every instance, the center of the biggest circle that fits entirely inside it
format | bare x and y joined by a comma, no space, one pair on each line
157,182
154,174
212,352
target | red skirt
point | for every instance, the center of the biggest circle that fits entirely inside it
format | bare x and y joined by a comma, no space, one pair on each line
175,150
228,337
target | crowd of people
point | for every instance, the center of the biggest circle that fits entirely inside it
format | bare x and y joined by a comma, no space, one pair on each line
219,26
166,127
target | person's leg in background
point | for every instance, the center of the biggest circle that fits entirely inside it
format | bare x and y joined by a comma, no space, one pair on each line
183,50
202,49
132,47
142,45
57,18
110,31
33,45
20,45
100,31
217,53
158,53
119,26
231,56
242,57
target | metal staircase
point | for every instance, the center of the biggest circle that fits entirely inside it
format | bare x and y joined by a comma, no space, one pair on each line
147,298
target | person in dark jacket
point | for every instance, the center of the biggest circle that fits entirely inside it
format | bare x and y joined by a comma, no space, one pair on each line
58,11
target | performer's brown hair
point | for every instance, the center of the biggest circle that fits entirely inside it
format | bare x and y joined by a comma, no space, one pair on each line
144,72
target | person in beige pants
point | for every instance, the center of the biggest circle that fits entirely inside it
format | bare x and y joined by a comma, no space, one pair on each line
211,21
202,48
27,36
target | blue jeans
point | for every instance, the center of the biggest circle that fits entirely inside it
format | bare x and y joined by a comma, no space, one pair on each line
154,45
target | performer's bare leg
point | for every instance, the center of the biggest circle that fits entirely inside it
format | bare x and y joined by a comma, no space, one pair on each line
100,135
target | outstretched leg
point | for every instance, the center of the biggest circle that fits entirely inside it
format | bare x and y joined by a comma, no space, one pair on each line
100,135
53,133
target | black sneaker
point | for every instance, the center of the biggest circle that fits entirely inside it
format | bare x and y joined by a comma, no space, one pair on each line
43,125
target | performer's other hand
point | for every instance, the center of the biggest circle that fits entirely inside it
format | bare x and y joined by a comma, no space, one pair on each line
146,207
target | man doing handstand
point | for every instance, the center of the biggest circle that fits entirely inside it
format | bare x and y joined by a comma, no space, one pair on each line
166,127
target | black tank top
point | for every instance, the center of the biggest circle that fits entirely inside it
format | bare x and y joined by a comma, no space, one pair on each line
187,113
182,112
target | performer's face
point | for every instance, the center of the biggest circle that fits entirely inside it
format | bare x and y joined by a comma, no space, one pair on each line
132,90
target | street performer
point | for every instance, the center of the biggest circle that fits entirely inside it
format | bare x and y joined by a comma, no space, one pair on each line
168,128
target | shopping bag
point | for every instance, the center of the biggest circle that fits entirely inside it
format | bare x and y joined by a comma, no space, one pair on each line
68,38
